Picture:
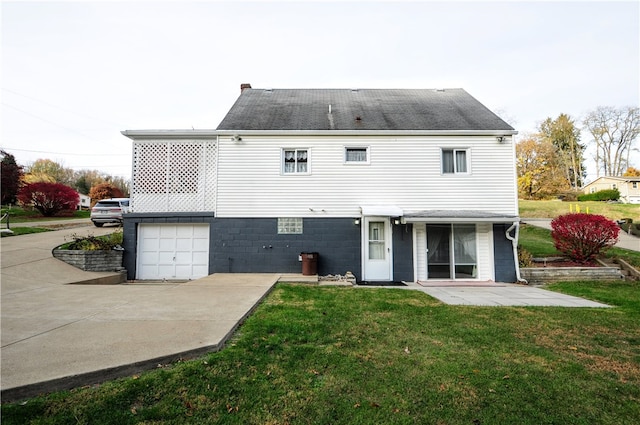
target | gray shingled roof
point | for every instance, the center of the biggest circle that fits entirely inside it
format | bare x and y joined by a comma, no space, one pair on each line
362,109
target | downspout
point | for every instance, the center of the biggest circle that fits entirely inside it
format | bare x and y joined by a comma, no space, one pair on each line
514,244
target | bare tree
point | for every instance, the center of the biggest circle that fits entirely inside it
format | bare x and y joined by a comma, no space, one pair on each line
614,131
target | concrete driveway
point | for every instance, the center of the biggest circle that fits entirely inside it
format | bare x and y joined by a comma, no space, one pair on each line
56,334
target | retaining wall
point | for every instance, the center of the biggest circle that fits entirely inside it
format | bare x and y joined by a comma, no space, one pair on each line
543,275
91,261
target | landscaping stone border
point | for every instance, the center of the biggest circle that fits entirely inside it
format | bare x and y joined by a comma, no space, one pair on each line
544,275
91,261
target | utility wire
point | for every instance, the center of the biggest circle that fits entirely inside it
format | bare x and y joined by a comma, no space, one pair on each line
66,153
62,109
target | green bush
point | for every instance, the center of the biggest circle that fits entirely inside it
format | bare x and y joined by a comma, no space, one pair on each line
602,195
95,243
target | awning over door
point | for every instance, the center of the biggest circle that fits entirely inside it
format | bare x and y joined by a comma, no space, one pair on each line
381,210
453,216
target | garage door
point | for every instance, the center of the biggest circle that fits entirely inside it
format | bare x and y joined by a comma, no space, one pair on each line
173,251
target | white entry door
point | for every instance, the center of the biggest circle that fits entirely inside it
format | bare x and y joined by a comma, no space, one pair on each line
377,249
172,251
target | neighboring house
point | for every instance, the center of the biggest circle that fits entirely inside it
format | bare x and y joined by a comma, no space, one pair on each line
392,185
85,202
629,187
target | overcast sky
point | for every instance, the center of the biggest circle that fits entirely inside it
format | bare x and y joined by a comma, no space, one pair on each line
75,74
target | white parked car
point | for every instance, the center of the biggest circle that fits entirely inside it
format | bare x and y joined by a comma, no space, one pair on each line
109,211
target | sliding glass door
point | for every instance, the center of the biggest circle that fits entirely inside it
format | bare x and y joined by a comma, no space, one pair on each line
451,251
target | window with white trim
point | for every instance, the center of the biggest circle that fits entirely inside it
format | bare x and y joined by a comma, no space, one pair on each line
289,226
295,161
455,161
356,155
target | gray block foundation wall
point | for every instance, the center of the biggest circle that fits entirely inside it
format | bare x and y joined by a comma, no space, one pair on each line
253,245
503,254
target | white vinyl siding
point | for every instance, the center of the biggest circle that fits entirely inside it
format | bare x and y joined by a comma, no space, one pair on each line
407,173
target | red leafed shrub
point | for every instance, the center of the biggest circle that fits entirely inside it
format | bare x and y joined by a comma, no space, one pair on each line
48,198
581,237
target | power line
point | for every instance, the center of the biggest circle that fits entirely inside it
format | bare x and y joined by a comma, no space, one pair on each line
67,153
51,122
62,109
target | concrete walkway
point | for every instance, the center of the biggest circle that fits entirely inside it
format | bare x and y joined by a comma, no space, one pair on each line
506,295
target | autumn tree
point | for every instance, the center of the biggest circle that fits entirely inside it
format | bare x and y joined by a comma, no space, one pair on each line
84,180
11,175
614,132
540,173
49,198
631,172
104,191
46,170
563,134
121,183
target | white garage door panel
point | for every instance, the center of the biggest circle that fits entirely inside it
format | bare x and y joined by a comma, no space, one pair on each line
173,251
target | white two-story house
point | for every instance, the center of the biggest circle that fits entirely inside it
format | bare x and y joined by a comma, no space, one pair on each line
391,185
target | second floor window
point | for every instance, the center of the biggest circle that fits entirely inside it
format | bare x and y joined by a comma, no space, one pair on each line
356,155
295,161
454,161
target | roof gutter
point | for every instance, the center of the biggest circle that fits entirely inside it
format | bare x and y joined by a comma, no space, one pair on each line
367,132
209,133
170,134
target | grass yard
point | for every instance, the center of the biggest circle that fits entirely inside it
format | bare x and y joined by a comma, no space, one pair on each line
539,243
322,355
552,209
20,215
17,231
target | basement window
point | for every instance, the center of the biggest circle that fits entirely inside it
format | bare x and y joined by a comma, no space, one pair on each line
290,226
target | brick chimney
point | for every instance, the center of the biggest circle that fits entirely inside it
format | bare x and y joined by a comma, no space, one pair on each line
244,86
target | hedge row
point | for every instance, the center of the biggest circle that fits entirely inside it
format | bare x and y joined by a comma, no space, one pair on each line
602,195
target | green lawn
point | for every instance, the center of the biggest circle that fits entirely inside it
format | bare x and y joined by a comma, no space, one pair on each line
20,215
321,355
552,209
539,243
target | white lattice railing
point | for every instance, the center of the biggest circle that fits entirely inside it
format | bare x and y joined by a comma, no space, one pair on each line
174,176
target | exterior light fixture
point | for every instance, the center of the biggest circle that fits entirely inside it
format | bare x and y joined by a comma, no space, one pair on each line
396,221
501,139
356,221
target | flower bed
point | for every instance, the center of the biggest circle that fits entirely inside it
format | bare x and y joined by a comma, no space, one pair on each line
94,254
